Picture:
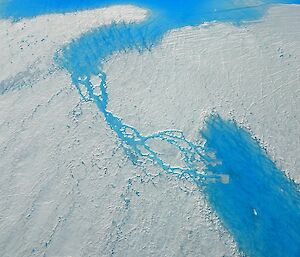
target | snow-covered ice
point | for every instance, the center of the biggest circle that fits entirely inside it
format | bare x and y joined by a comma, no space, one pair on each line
67,189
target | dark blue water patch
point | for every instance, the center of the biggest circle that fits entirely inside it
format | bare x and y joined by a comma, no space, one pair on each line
259,205
177,12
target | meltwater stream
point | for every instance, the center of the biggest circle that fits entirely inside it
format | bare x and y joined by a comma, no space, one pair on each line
259,205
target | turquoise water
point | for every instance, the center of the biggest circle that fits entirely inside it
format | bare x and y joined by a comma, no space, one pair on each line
259,205
178,12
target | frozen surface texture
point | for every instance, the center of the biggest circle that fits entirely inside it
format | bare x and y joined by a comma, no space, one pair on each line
250,73
67,186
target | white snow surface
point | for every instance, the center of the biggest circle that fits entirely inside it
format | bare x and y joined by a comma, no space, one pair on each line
64,179
250,73
28,45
